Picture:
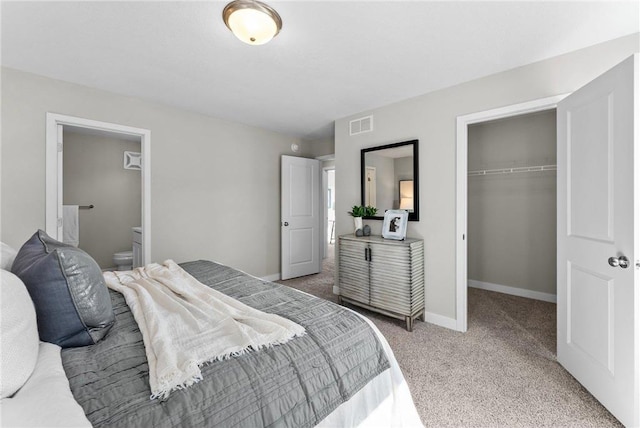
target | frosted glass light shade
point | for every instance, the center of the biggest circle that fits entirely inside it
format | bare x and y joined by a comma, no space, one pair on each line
253,22
406,204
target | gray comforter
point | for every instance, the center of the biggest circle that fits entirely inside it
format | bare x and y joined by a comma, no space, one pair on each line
296,384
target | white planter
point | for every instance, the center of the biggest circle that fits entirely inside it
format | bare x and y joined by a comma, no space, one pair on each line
357,223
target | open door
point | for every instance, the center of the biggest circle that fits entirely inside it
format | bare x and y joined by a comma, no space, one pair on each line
599,239
300,223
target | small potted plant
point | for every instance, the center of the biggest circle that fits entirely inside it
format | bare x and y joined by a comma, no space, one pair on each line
359,211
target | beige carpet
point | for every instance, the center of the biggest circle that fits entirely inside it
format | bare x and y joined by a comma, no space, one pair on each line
501,373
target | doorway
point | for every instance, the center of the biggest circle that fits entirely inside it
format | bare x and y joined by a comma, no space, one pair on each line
102,196
329,192
511,205
511,229
462,143
56,126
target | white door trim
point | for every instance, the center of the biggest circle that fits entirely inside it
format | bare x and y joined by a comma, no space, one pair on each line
53,172
462,123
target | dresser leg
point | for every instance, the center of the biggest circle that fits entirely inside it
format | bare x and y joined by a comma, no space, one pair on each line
409,322
339,299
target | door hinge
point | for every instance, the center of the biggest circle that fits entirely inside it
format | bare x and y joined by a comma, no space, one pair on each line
59,222
59,147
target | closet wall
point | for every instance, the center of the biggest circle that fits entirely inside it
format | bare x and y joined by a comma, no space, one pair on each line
512,217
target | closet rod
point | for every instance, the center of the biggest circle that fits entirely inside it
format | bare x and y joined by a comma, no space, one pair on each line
513,170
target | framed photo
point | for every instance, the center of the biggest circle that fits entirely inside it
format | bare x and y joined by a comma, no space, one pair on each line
395,224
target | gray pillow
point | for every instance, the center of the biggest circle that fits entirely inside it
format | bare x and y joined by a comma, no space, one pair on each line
72,302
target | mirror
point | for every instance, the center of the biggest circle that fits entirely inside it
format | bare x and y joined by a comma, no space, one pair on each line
390,178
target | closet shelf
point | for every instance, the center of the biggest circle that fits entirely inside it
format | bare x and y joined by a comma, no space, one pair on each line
513,170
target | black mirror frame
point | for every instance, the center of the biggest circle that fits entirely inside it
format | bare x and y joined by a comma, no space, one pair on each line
415,215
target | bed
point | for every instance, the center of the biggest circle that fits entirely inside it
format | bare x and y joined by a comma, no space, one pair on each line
341,373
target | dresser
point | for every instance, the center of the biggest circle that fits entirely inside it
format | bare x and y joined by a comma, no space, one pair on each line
383,275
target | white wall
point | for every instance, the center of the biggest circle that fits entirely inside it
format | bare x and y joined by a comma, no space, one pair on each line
215,184
93,173
431,118
511,220
321,147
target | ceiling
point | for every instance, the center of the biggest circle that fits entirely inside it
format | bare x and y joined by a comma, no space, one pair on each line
331,59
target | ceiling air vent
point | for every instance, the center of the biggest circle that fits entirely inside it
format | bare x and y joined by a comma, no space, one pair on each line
360,126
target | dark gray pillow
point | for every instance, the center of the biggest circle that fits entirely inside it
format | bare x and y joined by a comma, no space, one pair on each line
72,301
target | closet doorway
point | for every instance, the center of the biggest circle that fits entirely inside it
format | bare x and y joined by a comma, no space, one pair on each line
505,166
57,126
511,205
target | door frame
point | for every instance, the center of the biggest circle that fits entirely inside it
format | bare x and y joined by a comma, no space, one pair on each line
53,171
462,124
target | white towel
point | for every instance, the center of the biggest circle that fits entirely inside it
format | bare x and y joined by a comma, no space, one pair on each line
185,324
70,225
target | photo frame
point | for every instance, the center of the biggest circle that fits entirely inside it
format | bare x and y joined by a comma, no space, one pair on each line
395,224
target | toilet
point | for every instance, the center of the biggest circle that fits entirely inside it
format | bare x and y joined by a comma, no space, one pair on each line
123,260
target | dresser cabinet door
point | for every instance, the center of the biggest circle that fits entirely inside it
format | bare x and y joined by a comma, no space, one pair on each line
390,278
354,271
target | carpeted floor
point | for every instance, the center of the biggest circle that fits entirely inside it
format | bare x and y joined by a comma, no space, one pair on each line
501,373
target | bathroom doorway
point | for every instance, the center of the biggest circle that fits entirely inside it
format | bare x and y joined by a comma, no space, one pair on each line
102,196
94,166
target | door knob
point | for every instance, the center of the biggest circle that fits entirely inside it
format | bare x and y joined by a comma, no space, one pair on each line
286,223
621,261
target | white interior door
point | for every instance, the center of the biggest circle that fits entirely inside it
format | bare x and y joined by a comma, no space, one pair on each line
598,219
301,210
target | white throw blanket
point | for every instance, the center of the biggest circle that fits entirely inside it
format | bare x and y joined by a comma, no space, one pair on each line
186,324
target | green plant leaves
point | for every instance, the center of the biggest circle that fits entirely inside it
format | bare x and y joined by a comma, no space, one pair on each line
361,211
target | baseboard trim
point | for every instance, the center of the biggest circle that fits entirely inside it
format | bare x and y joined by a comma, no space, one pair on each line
274,277
441,320
514,291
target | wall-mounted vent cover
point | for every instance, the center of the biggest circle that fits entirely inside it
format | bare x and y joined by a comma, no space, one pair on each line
360,126
132,160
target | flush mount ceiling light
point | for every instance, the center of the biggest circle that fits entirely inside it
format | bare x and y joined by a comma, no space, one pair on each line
251,21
